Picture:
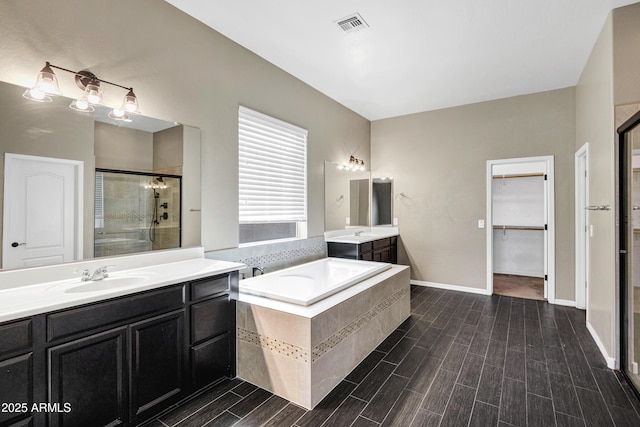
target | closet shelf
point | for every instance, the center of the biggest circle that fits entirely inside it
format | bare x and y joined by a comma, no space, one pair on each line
516,227
526,175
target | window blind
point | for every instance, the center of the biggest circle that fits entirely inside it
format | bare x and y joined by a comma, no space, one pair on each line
98,205
272,169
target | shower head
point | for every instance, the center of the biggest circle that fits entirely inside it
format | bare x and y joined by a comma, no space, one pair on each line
159,179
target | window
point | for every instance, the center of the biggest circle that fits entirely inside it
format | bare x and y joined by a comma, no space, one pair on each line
272,178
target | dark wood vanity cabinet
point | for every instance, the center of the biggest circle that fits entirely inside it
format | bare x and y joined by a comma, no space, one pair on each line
381,250
121,361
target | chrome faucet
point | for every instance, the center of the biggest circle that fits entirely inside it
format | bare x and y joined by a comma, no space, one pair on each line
358,233
100,273
256,270
86,276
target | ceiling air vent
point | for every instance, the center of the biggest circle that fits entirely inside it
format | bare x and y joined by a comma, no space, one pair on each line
351,23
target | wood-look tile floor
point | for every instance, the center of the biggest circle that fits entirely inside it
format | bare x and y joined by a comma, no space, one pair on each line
459,360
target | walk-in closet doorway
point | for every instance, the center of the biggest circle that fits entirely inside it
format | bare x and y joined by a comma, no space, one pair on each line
520,228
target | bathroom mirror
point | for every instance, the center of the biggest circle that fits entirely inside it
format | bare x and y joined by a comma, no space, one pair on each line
382,201
52,131
346,197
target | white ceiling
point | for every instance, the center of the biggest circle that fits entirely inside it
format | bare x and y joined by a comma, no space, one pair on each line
416,55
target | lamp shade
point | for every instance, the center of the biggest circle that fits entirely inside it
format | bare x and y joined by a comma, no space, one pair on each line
130,102
46,85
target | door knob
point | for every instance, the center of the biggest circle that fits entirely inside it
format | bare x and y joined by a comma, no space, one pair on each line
16,244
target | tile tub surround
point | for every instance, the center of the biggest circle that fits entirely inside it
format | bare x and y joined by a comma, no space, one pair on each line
301,353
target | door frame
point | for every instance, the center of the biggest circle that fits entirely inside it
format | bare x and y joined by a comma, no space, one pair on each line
79,197
550,283
581,226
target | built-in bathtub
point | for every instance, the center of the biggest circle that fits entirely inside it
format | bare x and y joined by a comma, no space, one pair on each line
301,352
311,282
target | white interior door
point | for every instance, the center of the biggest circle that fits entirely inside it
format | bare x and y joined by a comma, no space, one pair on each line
42,211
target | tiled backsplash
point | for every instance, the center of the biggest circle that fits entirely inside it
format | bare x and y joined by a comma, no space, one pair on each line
275,256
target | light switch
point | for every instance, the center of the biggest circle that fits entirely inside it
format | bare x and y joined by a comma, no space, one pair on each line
395,221
590,230
348,221
481,223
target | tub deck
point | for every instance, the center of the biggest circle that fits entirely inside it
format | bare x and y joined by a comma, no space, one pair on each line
309,283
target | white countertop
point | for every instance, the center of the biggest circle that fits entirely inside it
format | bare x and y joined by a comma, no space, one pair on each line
366,234
23,301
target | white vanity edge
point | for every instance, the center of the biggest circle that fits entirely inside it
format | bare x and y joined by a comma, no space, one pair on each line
315,309
39,290
370,234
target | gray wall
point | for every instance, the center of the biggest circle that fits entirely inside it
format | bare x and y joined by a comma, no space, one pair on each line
438,160
181,71
121,148
594,124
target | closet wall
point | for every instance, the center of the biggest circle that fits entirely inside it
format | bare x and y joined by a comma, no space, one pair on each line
518,224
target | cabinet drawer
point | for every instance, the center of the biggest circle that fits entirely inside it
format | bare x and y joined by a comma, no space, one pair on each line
394,240
104,314
209,318
210,286
15,336
382,243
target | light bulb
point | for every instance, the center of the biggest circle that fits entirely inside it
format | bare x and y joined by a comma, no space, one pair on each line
82,104
36,94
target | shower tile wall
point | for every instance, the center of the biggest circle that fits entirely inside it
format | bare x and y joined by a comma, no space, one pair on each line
128,212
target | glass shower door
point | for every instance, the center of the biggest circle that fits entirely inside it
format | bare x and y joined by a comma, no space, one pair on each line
135,212
629,240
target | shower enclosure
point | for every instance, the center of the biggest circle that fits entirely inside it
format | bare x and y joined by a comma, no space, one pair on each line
135,212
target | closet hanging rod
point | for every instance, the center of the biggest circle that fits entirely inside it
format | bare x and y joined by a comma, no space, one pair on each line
527,175
515,227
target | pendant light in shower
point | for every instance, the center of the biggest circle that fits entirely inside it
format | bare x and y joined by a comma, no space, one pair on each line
47,86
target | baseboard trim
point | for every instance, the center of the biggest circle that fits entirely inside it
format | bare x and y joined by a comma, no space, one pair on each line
448,287
611,361
564,302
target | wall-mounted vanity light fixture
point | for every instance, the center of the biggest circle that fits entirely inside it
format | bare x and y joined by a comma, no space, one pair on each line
47,86
353,165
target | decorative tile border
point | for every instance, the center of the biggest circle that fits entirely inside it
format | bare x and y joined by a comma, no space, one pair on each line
319,350
309,251
272,344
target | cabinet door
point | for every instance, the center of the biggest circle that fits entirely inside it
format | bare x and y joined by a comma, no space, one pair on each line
382,255
16,388
89,376
157,362
211,360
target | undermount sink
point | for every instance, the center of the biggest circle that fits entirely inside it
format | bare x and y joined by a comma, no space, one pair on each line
108,284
